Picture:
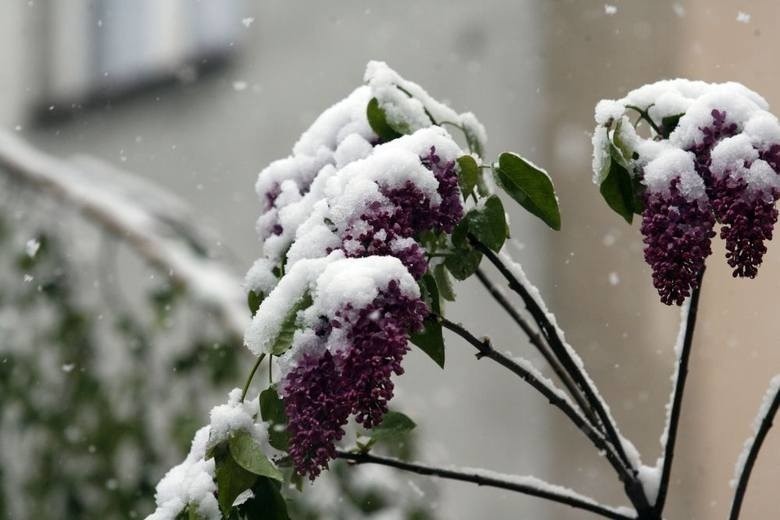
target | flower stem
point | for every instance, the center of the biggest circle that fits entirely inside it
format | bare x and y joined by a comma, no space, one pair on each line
251,375
679,389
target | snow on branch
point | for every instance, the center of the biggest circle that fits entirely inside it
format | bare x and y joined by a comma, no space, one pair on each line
747,459
154,223
528,485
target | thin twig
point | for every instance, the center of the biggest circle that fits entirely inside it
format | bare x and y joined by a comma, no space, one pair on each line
553,395
755,447
252,375
537,341
533,486
679,389
550,333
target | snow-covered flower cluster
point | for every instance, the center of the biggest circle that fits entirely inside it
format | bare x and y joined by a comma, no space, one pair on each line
711,155
347,345
342,226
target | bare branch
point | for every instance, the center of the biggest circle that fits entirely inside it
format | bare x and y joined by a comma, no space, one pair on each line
763,424
526,485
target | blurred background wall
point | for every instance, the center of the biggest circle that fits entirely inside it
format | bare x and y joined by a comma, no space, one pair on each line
199,96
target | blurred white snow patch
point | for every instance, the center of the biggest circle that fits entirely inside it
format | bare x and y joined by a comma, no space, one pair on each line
614,279
238,86
679,10
247,21
31,247
743,17
609,10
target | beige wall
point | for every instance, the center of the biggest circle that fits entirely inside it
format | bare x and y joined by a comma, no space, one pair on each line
622,330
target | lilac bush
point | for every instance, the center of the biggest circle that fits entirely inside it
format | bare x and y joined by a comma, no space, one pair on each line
384,200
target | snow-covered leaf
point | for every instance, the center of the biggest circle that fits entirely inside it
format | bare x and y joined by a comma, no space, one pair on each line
287,330
378,121
248,454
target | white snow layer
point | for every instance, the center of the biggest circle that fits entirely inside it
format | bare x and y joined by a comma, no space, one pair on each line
763,411
332,282
190,483
662,160
335,170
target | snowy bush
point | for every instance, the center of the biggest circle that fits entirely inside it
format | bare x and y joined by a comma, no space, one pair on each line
385,200
118,331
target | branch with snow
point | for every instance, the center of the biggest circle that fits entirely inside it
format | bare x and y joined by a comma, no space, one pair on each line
527,485
656,482
747,459
152,223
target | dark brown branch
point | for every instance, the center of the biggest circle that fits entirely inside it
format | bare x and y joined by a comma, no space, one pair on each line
750,461
486,350
475,477
537,341
559,349
679,389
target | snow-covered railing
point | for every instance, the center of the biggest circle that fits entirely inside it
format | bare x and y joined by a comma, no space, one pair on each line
154,224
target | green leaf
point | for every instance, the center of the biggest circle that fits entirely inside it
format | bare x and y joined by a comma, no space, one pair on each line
287,330
617,188
530,186
248,454
254,300
462,263
267,502
488,223
232,480
378,121
669,123
468,174
272,412
444,283
430,339
393,426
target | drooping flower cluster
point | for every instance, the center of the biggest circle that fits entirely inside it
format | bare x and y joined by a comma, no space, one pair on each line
351,206
712,158
348,345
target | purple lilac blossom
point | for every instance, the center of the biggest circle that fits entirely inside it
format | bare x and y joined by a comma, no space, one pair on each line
380,230
677,234
321,391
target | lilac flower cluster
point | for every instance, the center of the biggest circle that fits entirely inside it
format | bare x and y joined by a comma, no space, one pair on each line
677,230
677,234
389,229
350,378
